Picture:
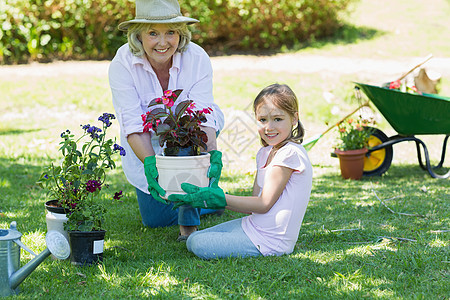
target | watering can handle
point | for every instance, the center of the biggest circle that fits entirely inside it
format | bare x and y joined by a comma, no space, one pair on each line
19,242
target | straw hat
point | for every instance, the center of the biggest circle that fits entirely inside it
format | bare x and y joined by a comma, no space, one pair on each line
157,12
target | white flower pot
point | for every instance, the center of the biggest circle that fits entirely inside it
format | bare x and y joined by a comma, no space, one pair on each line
174,170
55,218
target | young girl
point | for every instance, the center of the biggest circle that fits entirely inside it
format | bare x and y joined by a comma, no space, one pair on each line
280,193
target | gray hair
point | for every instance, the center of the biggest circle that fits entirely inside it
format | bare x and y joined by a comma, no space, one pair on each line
135,30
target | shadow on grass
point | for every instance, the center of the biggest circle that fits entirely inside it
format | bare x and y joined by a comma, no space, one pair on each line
20,195
13,131
347,34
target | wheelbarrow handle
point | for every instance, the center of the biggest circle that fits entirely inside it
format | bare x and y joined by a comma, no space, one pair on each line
343,119
415,67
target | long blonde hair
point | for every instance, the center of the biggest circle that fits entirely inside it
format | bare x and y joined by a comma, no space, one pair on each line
283,98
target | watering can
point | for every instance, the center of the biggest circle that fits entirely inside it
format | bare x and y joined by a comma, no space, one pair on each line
10,274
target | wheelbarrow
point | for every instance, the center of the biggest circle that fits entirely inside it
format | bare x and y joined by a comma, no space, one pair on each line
409,115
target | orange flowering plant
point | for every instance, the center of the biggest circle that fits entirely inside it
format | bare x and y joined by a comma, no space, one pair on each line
354,134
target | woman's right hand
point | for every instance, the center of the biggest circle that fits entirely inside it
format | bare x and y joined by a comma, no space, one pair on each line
152,175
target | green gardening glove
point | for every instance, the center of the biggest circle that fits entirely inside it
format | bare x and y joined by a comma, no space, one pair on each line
152,174
215,168
200,197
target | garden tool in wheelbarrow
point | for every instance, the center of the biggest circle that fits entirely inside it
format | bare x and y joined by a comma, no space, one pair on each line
310,142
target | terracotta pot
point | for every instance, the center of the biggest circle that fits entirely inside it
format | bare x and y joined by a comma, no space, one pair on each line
351,163
174,170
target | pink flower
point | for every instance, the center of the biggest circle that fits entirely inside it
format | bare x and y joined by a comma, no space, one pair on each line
170,104
158,100
168,93
147,127
165,100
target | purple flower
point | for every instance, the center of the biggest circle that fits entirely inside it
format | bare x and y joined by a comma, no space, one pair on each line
65,134
119,148
93,185
105,118
118,195
92,130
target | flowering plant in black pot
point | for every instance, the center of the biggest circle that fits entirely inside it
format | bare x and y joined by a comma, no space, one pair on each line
76,182
178,127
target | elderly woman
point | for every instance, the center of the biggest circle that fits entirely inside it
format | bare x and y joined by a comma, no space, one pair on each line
159,56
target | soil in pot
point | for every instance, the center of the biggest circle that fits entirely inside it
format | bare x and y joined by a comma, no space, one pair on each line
54,207
86,247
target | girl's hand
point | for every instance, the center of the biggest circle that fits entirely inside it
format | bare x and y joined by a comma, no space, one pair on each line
200,197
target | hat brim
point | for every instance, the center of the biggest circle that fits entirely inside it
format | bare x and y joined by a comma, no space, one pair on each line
179,19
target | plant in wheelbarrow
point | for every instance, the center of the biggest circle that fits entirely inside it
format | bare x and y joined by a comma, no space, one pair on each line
75,185
352,146
178,127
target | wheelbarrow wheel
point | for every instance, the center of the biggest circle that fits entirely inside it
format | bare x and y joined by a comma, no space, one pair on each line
377,162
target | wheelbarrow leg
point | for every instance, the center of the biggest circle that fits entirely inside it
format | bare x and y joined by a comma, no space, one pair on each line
427,165
444,148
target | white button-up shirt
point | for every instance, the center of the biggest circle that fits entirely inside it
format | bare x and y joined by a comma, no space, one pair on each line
134,84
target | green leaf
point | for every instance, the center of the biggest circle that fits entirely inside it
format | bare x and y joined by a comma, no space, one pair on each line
181,108
162,128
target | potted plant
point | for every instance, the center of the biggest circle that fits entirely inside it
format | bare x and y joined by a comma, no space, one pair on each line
74,187
352,146
182,139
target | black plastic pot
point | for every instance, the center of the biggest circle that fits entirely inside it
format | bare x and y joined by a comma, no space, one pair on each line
52,206
86,247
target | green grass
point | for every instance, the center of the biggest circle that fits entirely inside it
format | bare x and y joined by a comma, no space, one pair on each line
350,245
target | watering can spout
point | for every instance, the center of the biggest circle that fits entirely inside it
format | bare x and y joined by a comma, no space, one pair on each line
10,273
20,275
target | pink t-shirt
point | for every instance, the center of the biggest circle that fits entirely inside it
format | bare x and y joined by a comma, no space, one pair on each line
276,232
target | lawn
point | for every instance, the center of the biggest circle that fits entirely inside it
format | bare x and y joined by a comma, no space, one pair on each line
380,237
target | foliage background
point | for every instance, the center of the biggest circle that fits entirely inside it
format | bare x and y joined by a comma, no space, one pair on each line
44,30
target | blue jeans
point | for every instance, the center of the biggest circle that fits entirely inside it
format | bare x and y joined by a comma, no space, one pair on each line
155,214
224,240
